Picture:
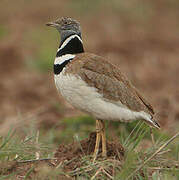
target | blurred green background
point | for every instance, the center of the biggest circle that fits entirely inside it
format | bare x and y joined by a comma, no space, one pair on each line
141,37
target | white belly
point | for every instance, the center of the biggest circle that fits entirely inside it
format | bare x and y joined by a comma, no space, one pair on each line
87,99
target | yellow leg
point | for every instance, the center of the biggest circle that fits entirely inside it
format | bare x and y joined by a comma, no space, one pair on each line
98,139
100,135
103,136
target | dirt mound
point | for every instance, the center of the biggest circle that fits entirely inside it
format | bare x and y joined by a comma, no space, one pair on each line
74,152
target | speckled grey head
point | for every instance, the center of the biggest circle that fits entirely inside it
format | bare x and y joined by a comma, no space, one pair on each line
66,26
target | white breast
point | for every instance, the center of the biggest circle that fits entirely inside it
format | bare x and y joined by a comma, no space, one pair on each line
87,99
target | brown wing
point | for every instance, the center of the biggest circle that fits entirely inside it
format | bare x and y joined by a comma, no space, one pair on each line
109,81
147,104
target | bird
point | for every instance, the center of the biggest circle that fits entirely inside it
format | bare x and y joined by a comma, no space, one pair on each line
95,86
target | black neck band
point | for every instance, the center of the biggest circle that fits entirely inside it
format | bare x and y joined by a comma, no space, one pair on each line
74,46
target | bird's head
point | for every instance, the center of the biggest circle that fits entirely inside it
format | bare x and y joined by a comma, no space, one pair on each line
66,26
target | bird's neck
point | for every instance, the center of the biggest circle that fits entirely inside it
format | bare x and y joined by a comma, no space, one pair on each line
69,47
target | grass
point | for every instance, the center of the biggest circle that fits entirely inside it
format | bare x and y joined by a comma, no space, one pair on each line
13,148
157,161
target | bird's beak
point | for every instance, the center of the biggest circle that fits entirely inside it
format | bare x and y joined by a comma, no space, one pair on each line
52,24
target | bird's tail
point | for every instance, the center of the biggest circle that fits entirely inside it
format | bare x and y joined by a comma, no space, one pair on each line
152,122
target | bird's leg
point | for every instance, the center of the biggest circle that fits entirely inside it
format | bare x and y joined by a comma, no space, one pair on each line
103,137
98,139
100,135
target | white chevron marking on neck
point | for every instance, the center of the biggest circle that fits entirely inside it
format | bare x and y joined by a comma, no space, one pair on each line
68,40
63,58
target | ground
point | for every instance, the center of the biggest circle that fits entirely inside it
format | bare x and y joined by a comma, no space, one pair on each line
141,38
